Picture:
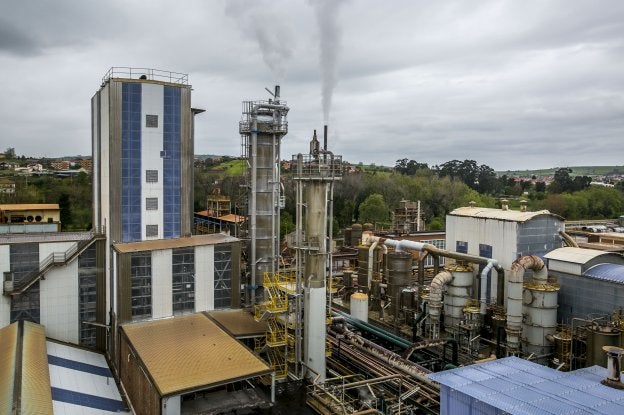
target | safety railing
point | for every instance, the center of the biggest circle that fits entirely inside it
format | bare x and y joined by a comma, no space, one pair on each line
145,73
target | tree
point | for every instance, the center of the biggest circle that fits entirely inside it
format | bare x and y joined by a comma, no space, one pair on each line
540,186
64,206
374,209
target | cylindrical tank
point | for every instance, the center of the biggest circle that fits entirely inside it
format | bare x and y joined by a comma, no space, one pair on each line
362,270
368,227
597,337
540,315
347,237
359,306
563,344
356,234
399,276
458,293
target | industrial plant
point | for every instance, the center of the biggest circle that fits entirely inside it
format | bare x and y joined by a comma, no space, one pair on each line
162,310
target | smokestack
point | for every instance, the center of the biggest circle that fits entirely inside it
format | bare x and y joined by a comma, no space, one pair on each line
325,137
314,146
277,93
613,367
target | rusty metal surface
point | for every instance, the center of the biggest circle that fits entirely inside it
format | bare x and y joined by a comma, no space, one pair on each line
191,353
8,342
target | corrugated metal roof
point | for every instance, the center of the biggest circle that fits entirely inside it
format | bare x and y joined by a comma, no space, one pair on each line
606,272
518,386
30,206
190,353
36,391
508,215
575,255
157,244
8,345
239,323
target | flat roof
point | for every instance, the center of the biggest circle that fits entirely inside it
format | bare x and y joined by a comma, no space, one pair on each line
30,206
188,353
500,214
577,255
239,323
157,244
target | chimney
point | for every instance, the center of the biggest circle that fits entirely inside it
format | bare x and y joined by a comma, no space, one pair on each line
523,205
325,137
613,367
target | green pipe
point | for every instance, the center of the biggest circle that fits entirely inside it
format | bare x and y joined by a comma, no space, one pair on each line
396,340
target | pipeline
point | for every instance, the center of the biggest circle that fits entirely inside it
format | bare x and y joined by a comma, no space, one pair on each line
454,350
568,240
395,340
439,282
393,359
418,320
514,296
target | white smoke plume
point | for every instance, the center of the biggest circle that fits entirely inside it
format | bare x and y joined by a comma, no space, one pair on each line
330,35
260,21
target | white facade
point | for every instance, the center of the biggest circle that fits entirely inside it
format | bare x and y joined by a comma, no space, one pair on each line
5,301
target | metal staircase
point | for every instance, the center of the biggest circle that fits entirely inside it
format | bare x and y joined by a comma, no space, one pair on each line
55,259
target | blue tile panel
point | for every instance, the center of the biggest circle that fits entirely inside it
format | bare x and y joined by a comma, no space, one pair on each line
131,162
171,161
89,401
82,367
606,272
515,386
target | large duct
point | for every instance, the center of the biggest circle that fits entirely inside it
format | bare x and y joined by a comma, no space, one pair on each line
438,285
514,296
458,293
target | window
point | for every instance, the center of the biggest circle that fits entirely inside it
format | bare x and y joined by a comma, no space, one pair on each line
183,280
151,231
151,121
461,246
87,291
151,176
141,281
151,203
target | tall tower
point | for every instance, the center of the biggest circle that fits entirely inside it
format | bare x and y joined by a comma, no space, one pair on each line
142,126
262,128
315,175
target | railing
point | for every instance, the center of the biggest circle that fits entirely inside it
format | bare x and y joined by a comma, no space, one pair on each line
316,166
54,259
147,73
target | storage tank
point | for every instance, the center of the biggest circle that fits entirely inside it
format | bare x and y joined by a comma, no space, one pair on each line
563,344
540,315
597,337
359,306
399,276
458,293
356,234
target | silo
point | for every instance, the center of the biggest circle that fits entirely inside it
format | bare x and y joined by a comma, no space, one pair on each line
262,127
458,293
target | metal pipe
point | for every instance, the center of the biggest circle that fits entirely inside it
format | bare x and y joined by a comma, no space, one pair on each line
330,225
396,340
438,283
568,240
325,137
491,264
252,205
371,253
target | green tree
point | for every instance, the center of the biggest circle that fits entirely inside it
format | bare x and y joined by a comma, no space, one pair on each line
65,206
374,209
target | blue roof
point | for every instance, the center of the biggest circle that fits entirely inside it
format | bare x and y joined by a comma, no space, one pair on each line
518,386
606,272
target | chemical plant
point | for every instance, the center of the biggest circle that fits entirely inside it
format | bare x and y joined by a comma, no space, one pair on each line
501,313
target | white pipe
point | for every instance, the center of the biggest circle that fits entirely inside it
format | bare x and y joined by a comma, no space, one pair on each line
371,253
441,280
491,264
514,296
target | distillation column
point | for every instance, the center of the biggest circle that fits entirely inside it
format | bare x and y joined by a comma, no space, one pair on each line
315,175
262,127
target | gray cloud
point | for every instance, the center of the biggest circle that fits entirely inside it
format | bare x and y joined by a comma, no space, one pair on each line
511,84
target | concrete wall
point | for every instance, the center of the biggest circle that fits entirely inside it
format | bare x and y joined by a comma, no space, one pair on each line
5,302
161,284
204,281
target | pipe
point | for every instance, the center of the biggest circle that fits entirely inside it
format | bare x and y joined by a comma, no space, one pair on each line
439,282
395,340
325,137
568,240
371,253
514,296
491,264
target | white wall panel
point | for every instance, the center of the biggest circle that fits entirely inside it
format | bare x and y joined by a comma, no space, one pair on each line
161,284
204,278
5,302
59,302
152,103
46,249
565,267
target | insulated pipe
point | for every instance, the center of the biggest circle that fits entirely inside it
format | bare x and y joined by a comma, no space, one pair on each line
439,282
514,296
568,240
371,253
491,264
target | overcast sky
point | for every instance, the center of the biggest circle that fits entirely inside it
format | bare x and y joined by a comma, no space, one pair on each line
511,84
